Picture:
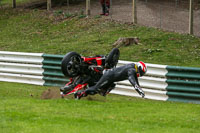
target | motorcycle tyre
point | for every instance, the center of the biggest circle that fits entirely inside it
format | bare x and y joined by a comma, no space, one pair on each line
64,63
112,58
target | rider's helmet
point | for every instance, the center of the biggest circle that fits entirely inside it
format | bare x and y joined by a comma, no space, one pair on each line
142,68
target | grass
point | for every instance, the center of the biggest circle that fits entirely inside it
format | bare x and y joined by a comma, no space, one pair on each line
9,2
22,109
48,33
22,112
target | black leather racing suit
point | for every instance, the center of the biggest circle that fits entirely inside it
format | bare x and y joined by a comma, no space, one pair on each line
114,75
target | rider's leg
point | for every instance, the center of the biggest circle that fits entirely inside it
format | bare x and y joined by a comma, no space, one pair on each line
104,82
91,91
83,93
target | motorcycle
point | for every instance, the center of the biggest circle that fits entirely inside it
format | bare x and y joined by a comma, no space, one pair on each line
86,71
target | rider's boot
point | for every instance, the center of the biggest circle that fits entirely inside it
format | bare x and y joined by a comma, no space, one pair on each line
111,88
107,91
102,92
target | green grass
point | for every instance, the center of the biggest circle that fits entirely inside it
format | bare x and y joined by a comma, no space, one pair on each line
22,109
9,2
21,112
45,32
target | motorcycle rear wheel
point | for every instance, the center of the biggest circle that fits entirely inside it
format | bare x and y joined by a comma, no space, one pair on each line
70,64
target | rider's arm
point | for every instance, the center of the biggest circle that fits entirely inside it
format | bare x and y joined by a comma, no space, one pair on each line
134,81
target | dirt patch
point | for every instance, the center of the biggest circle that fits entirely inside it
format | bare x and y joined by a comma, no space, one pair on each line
51,93
54,93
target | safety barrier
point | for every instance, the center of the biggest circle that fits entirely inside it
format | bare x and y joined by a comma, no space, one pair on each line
161,82
31,68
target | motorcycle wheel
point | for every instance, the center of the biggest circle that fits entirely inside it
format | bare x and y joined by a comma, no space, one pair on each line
70,64
112,58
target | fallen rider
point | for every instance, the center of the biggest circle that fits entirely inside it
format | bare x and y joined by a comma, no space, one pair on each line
130,71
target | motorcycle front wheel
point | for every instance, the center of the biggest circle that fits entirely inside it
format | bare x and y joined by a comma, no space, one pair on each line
112,58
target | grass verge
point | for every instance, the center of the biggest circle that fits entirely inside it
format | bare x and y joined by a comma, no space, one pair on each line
22,110
53,33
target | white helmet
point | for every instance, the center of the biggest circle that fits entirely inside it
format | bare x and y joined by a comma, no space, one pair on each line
142,68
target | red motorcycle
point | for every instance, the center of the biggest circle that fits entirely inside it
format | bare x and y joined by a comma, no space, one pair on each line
85,71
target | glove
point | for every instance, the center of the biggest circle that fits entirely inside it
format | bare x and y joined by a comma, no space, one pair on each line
139,90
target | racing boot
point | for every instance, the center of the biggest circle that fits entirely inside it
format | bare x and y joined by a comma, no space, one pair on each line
79,94
104,92
110,88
